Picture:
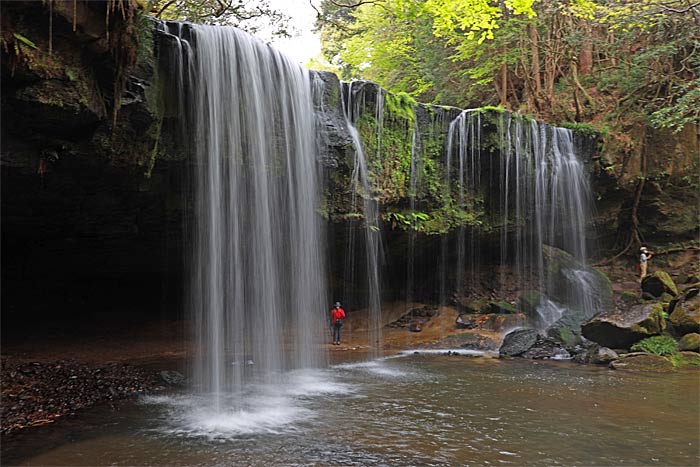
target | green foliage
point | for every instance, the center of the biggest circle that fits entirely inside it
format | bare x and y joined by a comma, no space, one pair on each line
254,17
584,129
657,345
612,65
401,105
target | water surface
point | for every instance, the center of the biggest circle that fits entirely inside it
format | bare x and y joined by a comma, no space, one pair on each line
412,410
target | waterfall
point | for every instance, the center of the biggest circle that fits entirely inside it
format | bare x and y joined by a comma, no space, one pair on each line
258,294
353,104
540,196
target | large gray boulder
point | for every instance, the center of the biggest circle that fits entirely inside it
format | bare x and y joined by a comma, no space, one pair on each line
518,342
620,329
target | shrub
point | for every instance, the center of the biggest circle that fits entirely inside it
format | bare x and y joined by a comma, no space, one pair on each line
658,345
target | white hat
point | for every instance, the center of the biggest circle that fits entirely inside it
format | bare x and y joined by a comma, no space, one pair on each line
643,248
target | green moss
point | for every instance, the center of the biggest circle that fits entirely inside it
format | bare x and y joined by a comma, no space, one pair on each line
492,108
685,359
629,297
144,37
583,129
657,345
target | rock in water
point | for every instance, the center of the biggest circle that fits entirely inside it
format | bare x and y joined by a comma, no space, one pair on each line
621,329
518,342
690,342
603,355
546,347
659,283
643,362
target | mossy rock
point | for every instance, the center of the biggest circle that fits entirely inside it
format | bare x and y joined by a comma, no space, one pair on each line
685,317
480,305
529,302
690,342
620,329
502,308
643,362
686,360
659,283
654,323
567,336
629,297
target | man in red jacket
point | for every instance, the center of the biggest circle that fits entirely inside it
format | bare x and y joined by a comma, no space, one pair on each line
337,316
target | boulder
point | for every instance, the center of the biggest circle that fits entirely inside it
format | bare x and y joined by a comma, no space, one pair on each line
582,289
603,355
517,342
529,302
690,342
658,283
642,362
546,348
685,315
566,330
620,329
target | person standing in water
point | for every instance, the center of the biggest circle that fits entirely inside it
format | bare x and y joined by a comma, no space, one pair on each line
644,257
337,316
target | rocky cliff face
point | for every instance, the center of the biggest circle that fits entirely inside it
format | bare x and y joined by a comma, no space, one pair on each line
95,189
90,225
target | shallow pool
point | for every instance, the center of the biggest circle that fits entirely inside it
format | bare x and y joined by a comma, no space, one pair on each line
406,410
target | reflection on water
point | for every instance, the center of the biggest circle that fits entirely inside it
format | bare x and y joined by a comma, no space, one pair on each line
413,410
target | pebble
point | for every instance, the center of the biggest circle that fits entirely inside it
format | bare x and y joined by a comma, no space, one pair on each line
38,393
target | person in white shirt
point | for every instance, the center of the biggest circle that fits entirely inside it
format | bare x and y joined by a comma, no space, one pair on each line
644,257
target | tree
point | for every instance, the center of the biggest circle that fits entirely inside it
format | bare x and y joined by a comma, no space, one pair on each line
247,15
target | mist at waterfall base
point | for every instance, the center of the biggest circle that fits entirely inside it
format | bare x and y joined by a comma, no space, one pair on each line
258,297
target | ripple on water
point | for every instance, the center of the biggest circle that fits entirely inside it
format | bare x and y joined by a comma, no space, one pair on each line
377,367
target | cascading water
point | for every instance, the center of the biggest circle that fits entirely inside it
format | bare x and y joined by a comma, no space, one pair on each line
258,294
464,144
544,200
361,187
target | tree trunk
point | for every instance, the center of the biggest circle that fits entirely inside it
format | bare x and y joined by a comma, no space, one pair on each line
535,52
585,60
